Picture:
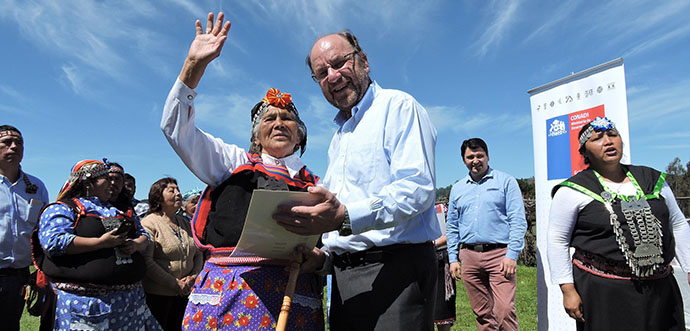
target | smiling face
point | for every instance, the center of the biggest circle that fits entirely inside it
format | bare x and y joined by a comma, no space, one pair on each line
344,72
100,187
477,162
277,133
604,147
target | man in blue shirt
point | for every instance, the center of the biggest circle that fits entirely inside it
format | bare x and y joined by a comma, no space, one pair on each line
379,222
21,198
485,228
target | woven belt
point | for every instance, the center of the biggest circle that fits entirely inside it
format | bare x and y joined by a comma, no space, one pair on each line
94,289
482,247
606,268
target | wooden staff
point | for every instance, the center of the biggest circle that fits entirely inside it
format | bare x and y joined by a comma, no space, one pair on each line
289,292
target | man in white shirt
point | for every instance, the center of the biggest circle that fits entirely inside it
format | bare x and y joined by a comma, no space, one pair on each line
377,211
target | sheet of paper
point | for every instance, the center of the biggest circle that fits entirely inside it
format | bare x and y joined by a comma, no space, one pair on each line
262,236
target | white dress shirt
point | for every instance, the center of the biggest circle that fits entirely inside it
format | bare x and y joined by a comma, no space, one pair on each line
381,166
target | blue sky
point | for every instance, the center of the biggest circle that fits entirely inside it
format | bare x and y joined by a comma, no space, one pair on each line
88,79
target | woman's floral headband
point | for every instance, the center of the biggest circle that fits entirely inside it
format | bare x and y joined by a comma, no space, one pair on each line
599,124
273,98
277,98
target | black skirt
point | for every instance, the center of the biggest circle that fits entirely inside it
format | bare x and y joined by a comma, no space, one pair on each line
630,305
445,309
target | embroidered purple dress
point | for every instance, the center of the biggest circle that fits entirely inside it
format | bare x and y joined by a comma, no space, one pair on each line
246,294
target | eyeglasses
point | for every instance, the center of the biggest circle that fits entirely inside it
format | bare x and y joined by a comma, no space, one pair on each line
336,65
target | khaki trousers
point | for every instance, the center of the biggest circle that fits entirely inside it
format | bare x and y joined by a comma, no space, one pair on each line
491,294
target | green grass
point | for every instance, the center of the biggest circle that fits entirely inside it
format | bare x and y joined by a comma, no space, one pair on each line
526,302
29,322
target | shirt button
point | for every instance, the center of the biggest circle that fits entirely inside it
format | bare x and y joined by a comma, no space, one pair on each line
190,97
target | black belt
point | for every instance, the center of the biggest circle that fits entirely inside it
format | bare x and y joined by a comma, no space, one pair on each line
373,255
482,247
14,271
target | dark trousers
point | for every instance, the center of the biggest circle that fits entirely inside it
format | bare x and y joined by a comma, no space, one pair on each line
168,310
12,282
385,288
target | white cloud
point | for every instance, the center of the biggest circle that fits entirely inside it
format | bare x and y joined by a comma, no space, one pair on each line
660,105
502,16
656,41
100,36
192,8
461,121
73,78
560,14
312,18
229,113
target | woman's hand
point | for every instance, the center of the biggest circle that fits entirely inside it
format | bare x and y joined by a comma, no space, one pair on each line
572,302
204,48
110,239
89,244
311,259
133,245
183,286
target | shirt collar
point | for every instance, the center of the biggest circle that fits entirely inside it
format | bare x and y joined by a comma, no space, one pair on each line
19,180
489,174
362,105
293,163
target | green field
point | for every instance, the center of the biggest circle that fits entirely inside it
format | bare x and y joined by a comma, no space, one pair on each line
526,302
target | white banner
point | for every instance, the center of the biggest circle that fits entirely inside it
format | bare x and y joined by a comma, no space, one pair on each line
559,110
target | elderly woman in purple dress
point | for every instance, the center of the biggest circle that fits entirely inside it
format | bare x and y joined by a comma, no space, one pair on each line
239,293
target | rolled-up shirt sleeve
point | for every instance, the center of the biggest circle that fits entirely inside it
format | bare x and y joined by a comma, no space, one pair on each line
208,157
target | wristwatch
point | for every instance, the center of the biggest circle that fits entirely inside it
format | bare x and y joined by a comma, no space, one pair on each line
346,227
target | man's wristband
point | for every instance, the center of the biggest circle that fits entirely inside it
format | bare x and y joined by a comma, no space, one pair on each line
346,227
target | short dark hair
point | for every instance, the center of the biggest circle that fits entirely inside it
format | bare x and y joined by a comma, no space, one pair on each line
128,176
7,127
473,143
156,194
347,35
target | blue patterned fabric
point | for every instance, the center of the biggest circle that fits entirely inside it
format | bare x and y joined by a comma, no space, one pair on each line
121,310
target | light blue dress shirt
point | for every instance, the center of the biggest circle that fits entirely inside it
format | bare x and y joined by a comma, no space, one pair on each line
381,166
18,217
489,211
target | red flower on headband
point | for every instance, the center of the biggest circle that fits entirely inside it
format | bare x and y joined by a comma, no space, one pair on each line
278,99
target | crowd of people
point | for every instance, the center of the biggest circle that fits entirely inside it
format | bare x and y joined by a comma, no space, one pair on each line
116,263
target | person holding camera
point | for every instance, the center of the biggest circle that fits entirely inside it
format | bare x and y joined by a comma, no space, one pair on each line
92,254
